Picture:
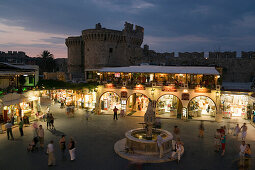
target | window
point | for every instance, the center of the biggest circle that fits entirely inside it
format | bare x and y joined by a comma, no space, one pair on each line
31,79
110,50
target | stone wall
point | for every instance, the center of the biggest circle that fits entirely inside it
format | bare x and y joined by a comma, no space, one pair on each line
75,54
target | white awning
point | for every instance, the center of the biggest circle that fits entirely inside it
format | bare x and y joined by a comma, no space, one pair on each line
162,69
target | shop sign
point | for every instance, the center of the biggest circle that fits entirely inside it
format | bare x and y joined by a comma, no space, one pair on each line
117,74
139,87
202,90
185,96
170,88
123,94
109,86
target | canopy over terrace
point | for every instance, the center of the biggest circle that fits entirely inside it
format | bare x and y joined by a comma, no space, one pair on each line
163,69
161,75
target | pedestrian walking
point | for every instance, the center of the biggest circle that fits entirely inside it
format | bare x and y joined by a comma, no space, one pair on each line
51,155
71,148
217,140
244,129
21,124
35,128
52,121
62,144
160,145
201,130
223,143
87,115
8,127
237,130
41,136
48,121
48,110
242,153
115,116
242,149
176,136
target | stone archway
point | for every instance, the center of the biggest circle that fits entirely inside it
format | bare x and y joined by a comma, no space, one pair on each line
108,100
202,107
169,106
137,104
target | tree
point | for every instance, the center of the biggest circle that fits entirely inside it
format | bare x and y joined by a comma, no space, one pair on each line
22,80
46,62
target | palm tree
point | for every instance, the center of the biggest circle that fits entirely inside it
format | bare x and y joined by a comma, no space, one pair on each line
46,55
47,62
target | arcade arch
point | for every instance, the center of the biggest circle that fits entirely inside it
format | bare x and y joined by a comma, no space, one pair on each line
137,104
108,101
168,105
201,107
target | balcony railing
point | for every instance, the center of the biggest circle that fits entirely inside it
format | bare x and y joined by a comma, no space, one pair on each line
131,85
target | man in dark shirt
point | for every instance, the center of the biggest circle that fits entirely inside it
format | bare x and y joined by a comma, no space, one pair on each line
115,110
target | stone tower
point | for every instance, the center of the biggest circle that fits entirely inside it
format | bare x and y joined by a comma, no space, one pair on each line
103,47
75,50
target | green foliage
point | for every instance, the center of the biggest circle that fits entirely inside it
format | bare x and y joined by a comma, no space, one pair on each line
22,80
46,62
57,84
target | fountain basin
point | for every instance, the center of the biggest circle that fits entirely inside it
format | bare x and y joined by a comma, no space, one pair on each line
136,140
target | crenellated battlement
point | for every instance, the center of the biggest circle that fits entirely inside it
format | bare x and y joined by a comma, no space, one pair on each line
222,55
127,35
191,54
74,41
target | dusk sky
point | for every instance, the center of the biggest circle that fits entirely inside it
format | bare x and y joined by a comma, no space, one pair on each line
170,25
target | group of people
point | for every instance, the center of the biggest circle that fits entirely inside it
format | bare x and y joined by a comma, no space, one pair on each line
220,136
8,127
50,121
62,146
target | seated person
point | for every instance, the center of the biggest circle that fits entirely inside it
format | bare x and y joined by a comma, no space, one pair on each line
247,152
179,150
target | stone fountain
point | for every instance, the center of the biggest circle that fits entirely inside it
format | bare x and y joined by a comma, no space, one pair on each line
140,144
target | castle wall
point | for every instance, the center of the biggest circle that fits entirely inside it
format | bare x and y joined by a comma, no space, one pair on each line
75,55
105,47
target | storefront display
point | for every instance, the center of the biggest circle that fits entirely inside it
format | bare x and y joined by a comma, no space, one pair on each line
168,106
11,113
234,105
137,103
108,101
201,106
90,100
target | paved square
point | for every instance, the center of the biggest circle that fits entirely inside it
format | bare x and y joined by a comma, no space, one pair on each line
95,140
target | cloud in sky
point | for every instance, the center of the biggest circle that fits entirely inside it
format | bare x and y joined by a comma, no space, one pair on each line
170,25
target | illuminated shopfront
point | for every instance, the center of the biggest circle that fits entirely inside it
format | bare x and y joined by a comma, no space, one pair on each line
137,102
108,101
234,105
90,100
168,106
201,106
11,111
